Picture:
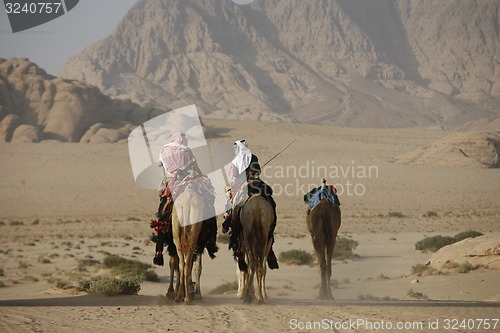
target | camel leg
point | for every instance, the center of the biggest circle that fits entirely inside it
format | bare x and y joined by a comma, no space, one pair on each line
181,294
197,271
329,256
188,266
241,282
328,274
264,271
250,291
319,248
322,267
174,273
260,295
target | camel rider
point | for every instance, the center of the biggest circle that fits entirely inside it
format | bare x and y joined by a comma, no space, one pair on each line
245,172
179,163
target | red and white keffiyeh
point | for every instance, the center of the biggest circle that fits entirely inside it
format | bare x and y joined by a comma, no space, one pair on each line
176,155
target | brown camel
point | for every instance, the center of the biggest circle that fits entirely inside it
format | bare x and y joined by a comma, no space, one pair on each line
186,226
257,216
323,223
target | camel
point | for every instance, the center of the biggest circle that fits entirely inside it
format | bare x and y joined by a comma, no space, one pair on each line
256,217
323,223
186,226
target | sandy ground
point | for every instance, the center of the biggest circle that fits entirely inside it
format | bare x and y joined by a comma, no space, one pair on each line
61,203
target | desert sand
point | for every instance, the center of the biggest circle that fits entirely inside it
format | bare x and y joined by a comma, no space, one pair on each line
61,203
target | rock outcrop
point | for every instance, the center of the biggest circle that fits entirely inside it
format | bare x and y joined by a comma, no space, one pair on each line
464,149
35,106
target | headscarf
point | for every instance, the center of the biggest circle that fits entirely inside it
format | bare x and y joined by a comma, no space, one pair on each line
176,155
243,156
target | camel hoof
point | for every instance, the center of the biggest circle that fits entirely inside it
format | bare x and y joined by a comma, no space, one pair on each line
170,295
248,299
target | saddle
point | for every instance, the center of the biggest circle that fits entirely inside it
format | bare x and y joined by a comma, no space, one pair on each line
314,197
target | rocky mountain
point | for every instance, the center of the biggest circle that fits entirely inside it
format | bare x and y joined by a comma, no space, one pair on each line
36,106
364,63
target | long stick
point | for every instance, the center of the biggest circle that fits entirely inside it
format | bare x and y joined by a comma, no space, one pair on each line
282,150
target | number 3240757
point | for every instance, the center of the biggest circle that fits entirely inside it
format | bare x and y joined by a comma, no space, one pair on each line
33,8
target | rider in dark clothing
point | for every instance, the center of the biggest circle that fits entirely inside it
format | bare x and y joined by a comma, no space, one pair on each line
246,170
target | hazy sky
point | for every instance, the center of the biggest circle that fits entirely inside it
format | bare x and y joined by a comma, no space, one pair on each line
51,44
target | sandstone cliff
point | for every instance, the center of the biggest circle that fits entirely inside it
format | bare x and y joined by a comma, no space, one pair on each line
36,106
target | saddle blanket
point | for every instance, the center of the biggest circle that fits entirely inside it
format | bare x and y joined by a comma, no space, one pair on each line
320,195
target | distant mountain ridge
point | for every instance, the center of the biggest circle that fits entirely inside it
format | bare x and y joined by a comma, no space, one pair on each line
366,63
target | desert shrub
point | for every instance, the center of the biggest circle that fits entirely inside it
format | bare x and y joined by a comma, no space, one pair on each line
420,269
416,294
151,276
223,238
396,214
84,263
343,248
63,284
110,286
367,297
225,287
431,213
296,257
466,267
436,242
1,272
2,284
127,267
467,234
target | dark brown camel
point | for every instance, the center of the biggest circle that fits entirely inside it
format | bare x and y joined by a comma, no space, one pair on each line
323,223
257,216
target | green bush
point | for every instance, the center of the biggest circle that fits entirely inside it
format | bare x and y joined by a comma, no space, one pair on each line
296,257
466,267
416,294
223,238
127,267
225,287
436,242
421,269
110,286
63,284
467,234
343,248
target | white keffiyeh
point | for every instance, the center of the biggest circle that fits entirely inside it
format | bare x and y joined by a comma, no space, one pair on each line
243,156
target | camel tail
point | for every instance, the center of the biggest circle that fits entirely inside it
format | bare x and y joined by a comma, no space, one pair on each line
186,229
259,238
327,228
